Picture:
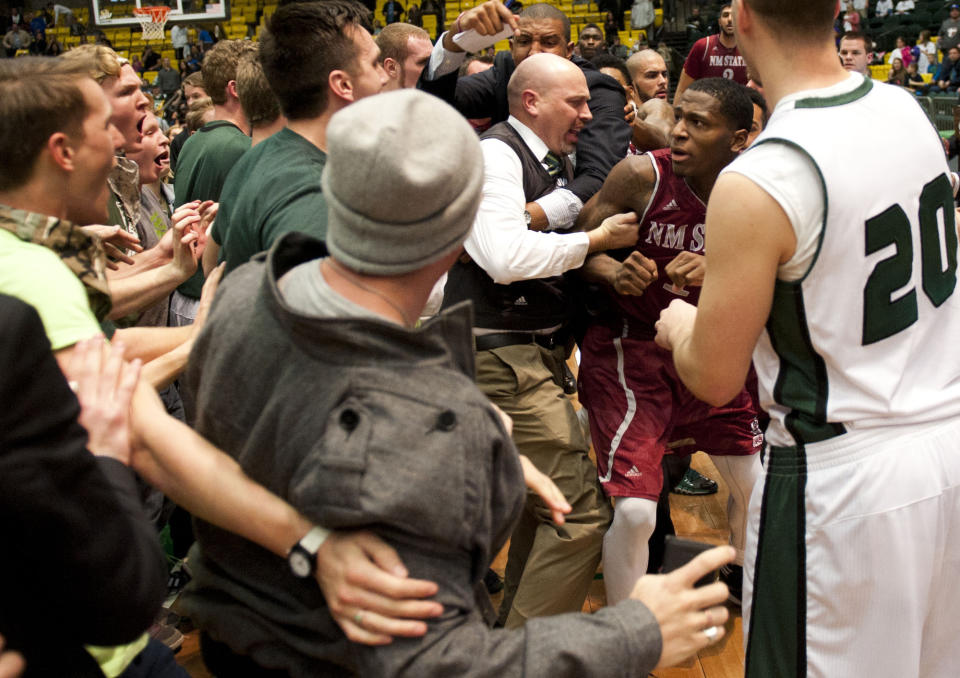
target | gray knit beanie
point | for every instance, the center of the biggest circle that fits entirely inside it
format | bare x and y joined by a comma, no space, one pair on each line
402,182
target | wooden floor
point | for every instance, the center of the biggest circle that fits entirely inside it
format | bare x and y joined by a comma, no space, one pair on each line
702,518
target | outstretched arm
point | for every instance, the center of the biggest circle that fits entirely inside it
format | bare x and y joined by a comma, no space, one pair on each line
663,624
131,293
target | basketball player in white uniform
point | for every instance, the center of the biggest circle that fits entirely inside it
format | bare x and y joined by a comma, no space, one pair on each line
832,249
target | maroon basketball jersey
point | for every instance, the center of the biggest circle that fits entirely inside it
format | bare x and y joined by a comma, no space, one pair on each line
708,58
672,223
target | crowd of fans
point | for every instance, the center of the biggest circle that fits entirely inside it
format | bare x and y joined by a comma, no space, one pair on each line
308,431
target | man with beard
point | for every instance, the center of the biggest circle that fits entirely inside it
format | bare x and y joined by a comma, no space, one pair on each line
651,82
635,399
715,56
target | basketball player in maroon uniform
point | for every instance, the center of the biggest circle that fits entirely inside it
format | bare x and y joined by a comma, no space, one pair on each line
715,56
635,399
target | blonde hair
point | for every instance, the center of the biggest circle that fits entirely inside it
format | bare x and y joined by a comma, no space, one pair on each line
101,61
194,117
259,103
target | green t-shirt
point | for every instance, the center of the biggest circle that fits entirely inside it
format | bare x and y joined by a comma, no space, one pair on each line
202,167
35,275
274,189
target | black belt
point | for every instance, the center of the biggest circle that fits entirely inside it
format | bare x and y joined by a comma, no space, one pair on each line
487,342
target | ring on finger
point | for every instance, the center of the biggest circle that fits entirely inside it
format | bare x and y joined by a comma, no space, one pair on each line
711,633
358,618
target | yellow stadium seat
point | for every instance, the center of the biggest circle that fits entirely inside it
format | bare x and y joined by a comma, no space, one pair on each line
880,72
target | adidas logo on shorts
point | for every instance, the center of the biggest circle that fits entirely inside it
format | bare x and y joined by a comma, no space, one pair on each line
634,472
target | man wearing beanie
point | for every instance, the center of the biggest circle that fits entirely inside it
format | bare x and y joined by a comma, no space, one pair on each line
361,421
523,306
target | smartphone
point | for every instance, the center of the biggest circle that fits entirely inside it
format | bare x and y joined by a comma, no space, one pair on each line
679,551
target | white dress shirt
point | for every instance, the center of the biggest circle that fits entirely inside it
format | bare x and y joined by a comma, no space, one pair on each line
500,242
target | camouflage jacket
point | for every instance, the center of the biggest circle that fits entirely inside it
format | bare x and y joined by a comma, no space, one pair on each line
124,207
82,253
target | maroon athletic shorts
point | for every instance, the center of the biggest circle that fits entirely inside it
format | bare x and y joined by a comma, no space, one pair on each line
639,410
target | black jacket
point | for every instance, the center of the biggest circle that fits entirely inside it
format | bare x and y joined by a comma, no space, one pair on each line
82,565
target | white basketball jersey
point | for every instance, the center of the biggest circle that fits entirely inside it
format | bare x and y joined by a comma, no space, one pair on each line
868,337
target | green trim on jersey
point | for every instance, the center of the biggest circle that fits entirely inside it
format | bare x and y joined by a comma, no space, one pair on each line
802,383
777,638
838,100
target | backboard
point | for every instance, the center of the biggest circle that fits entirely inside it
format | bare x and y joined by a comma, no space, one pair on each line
120,13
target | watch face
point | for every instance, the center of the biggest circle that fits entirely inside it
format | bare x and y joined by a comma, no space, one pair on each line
300,564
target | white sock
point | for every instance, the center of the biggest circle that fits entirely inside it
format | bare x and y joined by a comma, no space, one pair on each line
740,474
625,550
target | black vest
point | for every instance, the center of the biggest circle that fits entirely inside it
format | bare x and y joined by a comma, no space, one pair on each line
525,305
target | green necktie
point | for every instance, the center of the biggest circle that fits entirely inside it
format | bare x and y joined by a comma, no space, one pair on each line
553,163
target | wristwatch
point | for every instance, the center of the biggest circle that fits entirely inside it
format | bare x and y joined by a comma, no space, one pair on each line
527,218
302,558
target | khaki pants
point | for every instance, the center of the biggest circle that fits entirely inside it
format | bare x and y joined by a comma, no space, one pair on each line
549,568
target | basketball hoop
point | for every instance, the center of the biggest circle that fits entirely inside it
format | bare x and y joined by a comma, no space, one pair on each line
152,20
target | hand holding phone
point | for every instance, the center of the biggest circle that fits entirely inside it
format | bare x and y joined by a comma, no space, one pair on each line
679,551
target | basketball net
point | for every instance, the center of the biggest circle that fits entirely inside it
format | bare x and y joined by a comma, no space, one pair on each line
152,20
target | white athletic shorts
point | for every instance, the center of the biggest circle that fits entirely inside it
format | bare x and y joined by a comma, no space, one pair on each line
853,557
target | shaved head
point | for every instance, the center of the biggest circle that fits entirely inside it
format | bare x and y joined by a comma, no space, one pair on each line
642,59
649,75
549,94
541,73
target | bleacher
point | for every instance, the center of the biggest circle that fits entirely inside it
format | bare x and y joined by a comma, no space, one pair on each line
246,20
580,13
